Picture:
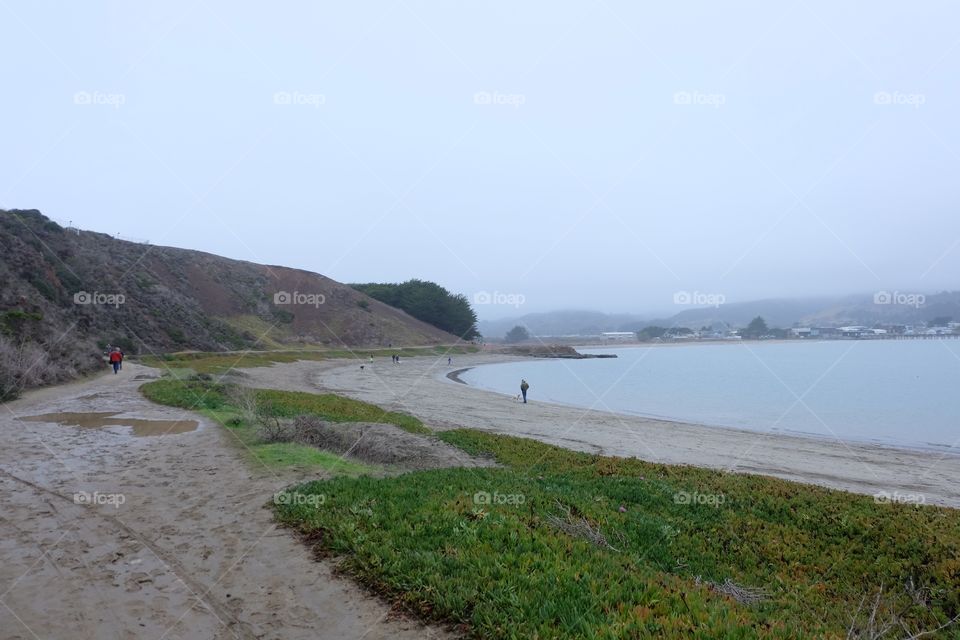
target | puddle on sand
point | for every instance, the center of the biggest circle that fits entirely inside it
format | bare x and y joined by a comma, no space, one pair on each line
140,426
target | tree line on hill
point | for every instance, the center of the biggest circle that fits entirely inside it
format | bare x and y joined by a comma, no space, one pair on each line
429,302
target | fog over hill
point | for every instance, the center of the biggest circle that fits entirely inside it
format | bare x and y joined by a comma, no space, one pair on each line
883,307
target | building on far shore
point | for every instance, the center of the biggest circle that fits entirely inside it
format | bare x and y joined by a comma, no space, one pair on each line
855,331
618,336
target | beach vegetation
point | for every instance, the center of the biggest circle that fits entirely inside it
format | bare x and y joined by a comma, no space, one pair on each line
246,413
555,543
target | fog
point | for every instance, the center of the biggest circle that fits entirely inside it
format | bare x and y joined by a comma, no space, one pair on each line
535,155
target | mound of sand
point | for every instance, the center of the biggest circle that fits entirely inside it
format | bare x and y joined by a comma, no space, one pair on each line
378,443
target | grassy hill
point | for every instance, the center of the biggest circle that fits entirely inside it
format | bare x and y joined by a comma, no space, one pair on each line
65,294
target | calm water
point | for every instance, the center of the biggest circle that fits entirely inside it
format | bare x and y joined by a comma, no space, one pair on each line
898,393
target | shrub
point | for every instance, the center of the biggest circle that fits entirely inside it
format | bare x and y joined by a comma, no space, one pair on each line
22,365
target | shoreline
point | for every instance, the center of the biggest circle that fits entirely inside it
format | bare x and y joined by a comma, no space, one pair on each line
930,448
421,386
455,375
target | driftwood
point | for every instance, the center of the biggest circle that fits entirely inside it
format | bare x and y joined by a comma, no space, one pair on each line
868,623
578,527
743,595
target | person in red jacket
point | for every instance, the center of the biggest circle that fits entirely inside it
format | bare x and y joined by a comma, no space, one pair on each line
116,357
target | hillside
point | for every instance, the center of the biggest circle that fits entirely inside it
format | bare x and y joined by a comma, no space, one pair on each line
825,311
66,294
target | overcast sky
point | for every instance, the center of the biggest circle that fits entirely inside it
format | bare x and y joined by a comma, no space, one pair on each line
595,154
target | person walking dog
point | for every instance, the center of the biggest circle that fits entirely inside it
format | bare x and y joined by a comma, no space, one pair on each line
523,390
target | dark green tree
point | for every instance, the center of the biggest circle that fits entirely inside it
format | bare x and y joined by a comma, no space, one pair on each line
649,333
517,334
429,302
756,328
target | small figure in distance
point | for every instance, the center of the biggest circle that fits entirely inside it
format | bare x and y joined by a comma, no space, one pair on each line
116,357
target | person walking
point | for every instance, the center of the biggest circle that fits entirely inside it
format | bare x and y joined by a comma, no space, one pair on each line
523,390
449,361
115,359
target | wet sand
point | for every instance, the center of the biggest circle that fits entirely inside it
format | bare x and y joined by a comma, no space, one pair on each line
110,530
104,419
421,386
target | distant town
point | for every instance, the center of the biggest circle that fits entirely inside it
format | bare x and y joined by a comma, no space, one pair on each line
758,330
722,331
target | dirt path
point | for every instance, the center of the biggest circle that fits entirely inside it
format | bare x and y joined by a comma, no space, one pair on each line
420,386
180,544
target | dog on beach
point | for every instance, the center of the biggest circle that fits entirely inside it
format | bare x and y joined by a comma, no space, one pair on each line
518,398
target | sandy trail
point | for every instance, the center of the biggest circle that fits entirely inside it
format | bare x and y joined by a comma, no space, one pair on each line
192,551
419,386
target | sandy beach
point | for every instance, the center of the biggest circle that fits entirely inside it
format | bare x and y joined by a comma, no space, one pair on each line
420,386
192,551
180,543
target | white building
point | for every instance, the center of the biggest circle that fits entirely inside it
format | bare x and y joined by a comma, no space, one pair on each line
618,336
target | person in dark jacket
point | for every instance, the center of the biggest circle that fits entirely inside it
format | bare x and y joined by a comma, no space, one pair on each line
523,390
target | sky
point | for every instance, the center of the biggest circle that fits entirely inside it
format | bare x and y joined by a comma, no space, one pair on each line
617,156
